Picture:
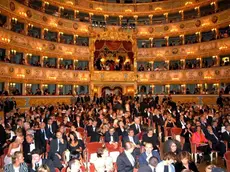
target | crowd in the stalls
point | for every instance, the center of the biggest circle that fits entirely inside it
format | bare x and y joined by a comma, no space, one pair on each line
134,132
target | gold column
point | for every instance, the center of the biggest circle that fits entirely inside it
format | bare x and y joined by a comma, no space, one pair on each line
42,61
198,11
201,61
59,36
26,2
120,19
59,11
167,62
151,42
7,52
183,63
105,18
6,86
182,39
42,33
217,60
75,38
57,89
150,19
44,5
135,17
182,14
215,6
75,14
26,28
199,36
58,62
91,90
167,40
90,17
8,23
23,89
153,86
25,57
166,17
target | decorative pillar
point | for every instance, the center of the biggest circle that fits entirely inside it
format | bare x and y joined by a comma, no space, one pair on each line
182,39
135,17
167,62
6,86
8,23
26,28
120,19
201,61
42,61
90,17
105,18
151,42
166,17
24,56
167,40
23,89
75,39
182,14
183,63
217,60
44,5
59,11
91,90
58,62
198,36
7,53
215,6
57,89
75,14
59,36
151,19
198,11
26,2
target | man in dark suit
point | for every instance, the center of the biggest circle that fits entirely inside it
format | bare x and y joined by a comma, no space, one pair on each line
41,138
157,99
28,146
2,135
37,161
136,126
111,136
226,135
216,144
57,147
149,152
151,166
131,138
50,129
126,161
92,131
78,122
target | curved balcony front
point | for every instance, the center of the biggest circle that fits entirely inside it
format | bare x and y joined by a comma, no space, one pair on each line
116,9
57,24
208,75
28,74
210,48
28,44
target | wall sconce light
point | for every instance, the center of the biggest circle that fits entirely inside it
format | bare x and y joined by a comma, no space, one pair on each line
60,86
98,9
44,85
13,52
14,20
21,75
47,3
75,86
28,85
12,84
188,3
61,33
62,8
5,40
158,8
196,8
45,29
29,54
212,3
128,10
45,57
61,59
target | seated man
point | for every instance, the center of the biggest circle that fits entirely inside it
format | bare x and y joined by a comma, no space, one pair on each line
216,143
149,152
151,167
57,147
37,161
226,135
134,139
111,136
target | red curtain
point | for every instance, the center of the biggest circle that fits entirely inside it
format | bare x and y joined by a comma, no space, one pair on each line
113,45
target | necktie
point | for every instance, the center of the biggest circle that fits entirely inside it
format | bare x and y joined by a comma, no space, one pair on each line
58,145
36,166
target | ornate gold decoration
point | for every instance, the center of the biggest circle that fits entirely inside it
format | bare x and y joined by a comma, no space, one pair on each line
52,47
75,26
182,25
28,13
174,50
198,23
151,30
214,19
12,6
44,18
60,23
166,28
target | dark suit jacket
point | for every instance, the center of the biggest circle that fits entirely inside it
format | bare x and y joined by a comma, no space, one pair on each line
226,137
2,138
123,163
126,139
48,132
27,152
95,137
133,126
192,166
143,156
145,168
54,147
80,124
48,162
39,138
108,139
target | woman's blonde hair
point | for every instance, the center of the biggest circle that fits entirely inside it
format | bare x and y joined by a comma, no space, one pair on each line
43,168
15,156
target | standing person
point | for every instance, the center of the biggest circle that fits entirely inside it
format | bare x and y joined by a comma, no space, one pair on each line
167,163
3,135
17,165
126,160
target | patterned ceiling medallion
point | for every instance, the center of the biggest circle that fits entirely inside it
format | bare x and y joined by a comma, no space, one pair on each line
217,72
11,69
200,73
60,23
214,19
44,18
198,23
28,13
27,71
182,26
91,6
12,6
166,28
52,47
151,30
174,50
75,26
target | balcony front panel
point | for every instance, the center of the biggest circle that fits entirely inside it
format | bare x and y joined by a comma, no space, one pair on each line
113,76
211,48
21,73
53,23
208,75
28,44
115,9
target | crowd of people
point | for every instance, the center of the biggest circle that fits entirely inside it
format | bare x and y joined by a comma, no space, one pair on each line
139,131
